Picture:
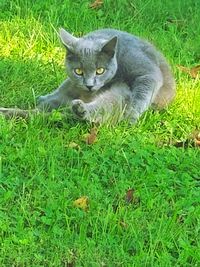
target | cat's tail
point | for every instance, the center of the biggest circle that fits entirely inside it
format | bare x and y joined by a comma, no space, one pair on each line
16,112
167,92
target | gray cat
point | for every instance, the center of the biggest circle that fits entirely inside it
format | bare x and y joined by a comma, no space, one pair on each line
111,74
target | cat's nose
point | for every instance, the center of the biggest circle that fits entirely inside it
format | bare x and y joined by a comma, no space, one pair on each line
89,87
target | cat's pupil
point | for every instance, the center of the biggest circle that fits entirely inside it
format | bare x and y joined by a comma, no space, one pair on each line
78,71
100,71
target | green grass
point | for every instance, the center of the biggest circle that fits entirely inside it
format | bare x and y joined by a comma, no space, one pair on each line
41,176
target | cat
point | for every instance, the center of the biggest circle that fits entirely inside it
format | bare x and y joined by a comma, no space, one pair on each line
111,73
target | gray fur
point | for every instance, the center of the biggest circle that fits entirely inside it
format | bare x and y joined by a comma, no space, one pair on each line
136,76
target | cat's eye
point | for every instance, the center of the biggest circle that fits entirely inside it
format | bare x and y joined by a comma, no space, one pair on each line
100,71
78,71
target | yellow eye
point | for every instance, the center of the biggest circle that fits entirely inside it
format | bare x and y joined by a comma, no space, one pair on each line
78,71
100,71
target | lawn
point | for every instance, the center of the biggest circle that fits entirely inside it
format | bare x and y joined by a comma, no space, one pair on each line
141,182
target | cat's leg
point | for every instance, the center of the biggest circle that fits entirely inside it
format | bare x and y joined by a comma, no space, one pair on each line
109,105
62,96
144,90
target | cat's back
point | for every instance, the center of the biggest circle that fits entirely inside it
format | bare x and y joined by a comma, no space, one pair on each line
123,37
129,45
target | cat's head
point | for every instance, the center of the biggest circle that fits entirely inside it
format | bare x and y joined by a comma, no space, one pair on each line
91,62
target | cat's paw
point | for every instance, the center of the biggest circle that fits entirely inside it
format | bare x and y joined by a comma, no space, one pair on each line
79,108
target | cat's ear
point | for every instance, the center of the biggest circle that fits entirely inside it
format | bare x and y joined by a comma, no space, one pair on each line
110,46
67,39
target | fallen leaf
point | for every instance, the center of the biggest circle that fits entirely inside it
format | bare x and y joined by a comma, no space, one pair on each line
82,203
195,134
91,137
96,4
74,145
129,196
197,142
187,143
193,140
193,72
184,144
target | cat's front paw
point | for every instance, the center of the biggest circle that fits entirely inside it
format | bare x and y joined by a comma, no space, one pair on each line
79,108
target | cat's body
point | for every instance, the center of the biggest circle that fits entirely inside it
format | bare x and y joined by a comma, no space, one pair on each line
111,72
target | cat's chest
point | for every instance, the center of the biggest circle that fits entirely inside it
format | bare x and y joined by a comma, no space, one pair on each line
86,96
77,93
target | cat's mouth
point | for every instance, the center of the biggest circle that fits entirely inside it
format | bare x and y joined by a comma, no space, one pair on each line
93,89
89,87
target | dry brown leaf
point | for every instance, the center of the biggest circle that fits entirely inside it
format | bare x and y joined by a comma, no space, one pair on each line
129,196
183,144
91,137
193,72
193,140
82,203
187,143
197,142
196,137
96,4
196,134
